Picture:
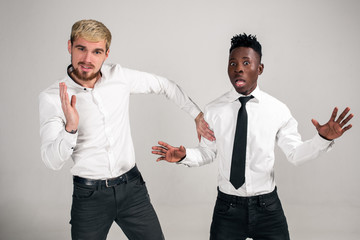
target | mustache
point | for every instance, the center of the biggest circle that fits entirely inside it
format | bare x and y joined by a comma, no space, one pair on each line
86,64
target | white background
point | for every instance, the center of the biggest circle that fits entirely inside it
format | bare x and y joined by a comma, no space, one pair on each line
310,52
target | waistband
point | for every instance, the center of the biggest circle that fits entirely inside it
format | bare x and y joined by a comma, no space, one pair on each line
259,199
124,178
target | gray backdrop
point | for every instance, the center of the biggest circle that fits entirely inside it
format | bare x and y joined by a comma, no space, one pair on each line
310,53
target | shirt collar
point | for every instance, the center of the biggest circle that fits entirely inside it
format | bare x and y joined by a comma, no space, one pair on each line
234,95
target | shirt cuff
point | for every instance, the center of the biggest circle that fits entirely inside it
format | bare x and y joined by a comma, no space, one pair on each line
69,140
195,112
322,143
187,160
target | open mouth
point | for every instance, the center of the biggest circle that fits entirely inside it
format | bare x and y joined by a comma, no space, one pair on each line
239,82
86,68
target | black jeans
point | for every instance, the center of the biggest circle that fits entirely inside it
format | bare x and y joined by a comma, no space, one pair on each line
260,218
95,208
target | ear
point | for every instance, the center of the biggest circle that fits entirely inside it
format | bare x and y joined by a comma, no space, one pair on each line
69,46
107,53
260,68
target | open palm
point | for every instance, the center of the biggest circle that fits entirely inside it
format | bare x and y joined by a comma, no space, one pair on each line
334,128
168,152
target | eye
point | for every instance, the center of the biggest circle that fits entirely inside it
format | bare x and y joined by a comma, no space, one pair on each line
97,52
232,64
246,63
81,48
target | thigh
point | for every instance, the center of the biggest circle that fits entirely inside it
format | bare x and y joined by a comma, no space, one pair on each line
92,212
136,215
271,221
229,222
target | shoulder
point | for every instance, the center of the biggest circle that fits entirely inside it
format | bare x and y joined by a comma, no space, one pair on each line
111,68
219,106
269,100
51,91
116,71
268,105
218,102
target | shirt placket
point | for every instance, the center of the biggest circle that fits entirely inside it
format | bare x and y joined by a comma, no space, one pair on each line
107,130
249,156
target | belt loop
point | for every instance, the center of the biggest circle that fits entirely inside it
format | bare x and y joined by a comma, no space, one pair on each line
98,186
126,178
261,201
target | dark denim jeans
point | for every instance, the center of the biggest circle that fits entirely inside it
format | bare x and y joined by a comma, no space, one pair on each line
95,208
260,218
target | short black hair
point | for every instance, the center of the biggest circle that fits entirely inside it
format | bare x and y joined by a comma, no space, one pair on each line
244,40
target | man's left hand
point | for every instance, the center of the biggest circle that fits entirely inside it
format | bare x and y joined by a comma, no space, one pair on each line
334,128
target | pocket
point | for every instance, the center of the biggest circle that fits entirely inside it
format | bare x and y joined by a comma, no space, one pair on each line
272,204
140,181
137,182
222,207
83,192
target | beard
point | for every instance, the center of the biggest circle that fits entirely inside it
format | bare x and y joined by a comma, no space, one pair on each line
84,76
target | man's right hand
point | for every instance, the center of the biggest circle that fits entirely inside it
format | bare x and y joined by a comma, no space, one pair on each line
70,112
168,152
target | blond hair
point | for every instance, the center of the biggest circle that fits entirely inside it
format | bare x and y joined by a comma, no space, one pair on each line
90,30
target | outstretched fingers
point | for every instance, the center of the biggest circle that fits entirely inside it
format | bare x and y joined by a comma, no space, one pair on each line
343,121
161,159
73,101
347,128
342,115
315,123
164,144
64,97
158,150
333,115
161,150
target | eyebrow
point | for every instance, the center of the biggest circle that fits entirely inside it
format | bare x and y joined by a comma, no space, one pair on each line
81,46
99,50
95,50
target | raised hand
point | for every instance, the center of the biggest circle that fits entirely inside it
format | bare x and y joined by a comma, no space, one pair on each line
70,112
168,152
202,128
334,128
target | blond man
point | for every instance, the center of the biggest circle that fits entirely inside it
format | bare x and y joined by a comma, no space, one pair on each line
92,129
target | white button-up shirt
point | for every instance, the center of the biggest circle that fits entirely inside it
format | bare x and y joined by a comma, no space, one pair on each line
269,122
102,147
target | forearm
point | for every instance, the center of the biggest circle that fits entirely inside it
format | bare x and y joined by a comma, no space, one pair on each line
308,150
56,151
199,156
57,145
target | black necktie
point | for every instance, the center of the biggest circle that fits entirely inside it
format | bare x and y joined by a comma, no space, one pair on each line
237,174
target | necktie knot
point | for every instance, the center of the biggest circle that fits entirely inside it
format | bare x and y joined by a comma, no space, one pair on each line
244,100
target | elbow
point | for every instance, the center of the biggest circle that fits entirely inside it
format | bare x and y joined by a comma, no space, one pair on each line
50,164
296,160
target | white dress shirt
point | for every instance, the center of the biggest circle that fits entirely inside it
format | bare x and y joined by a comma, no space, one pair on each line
269,122
102,147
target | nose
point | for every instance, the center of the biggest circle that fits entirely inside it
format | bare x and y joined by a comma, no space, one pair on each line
239,68
87,57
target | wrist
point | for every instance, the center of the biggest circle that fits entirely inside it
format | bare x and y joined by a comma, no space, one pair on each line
182,158
199,116
325,137
71,130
